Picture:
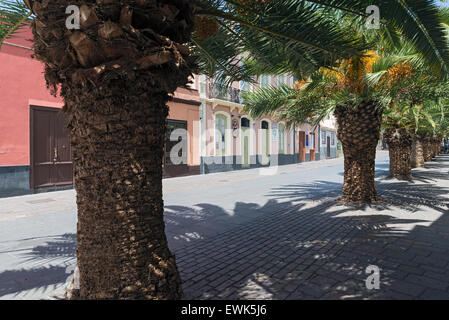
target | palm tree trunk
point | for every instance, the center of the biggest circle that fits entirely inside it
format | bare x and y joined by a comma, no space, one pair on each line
116,74
427,148
436,146
122,247
400,146
417,153
359,132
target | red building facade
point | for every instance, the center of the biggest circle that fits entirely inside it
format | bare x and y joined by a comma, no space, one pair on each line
34,145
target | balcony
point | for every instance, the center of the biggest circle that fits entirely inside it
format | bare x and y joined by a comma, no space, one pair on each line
218,91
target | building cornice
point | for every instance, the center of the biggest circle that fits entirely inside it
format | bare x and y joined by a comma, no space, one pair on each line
231,105
186,101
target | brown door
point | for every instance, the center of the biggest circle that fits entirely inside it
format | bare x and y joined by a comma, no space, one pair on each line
51,155
302,146
328,147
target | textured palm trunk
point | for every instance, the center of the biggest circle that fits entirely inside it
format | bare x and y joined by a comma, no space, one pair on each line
417,153
436,146
118,148
400,146
359,132
115,74
427,148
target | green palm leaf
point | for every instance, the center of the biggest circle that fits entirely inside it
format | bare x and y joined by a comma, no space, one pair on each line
13,16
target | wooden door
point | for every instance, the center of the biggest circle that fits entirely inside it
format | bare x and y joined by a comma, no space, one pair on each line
51,154
301,145
328,147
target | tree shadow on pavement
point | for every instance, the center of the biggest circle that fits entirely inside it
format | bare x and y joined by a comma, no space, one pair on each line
41,269
318,248
302,244
185,225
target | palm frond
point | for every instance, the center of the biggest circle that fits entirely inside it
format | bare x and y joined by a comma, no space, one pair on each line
13,16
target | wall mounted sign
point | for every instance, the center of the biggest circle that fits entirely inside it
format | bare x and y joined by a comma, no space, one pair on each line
235,127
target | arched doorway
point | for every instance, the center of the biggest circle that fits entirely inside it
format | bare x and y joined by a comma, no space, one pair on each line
282,139
221,127
265,137
245,138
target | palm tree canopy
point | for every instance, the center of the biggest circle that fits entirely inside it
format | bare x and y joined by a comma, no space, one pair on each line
397,80
379,74
300,36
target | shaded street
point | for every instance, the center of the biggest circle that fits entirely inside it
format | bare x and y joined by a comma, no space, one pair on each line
242,235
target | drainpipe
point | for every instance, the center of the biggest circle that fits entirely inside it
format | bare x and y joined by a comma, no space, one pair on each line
319,140
294,145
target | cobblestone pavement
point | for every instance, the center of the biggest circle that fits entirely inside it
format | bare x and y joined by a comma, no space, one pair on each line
314,247
240,235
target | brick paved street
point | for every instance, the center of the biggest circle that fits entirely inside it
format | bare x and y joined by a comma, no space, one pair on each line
241,235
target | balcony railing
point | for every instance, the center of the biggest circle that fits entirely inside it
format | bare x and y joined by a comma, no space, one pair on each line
218,91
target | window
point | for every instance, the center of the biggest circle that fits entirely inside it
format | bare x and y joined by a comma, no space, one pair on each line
245,123
333,139
264,81
220,134
281,80
244,85
323,137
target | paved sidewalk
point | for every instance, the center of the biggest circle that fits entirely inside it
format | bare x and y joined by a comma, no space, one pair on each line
240,235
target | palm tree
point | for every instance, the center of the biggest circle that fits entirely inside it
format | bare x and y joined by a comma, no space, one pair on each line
13,16
358,92
345,92
418,104
416,100
116,75
432,135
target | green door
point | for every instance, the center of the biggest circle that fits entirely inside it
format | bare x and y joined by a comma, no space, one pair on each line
246,134
220,135
265,143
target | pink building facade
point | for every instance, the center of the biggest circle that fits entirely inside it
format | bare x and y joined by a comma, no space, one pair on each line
232,140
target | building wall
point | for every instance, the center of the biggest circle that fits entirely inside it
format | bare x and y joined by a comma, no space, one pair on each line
313,145
333,146
232,160
186,107
329,129
23,85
